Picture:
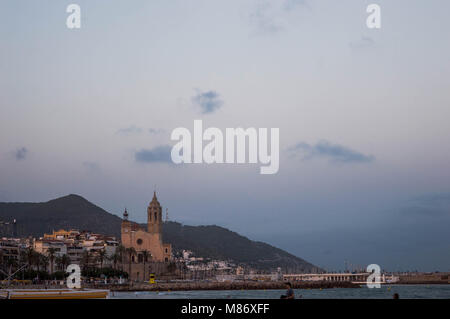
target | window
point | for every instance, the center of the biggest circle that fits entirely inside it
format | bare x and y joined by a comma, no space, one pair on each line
139,241
156,218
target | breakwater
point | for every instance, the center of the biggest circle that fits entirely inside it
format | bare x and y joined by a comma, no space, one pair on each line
239,285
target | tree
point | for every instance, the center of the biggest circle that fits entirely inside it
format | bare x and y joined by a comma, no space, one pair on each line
120,250
65,261
115,258
43,261
11,263
58,263
145,255
30,257
130,251
85,259
37,259
101,257
51,256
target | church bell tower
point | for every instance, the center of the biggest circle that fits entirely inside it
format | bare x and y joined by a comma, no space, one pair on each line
154,216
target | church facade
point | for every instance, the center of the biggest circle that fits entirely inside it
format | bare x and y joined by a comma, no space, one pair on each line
146,240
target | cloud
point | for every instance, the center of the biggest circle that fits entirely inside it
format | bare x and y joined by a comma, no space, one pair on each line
363,43
208,101
269,17
133,129
21,153
91,166
435,204
263,19
130,130
159,154
289,5
434,199
155,130
333,152
423,211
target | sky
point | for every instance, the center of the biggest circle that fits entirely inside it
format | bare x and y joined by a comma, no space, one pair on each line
363,116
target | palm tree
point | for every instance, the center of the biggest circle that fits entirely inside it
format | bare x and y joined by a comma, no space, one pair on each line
101,257
11,263
85,258
115,258
30,256
65,261
22,257
120,250
130,251
145,255
58,263
51,256
37,258
44,261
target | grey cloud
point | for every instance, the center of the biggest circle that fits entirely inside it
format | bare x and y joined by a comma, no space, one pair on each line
436,204
268,16
364,42
292,4
155,130
91,166
130,130
334,152
423,211
133,129
21,153
263,19
159,154
208,101
435,199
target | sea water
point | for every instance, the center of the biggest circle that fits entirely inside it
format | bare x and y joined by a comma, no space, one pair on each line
385,292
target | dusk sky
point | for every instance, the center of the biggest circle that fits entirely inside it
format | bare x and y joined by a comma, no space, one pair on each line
363,115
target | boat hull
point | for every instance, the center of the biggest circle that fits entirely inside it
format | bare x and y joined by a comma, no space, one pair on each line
54,294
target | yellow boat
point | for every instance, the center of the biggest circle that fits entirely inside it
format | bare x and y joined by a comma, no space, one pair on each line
54,294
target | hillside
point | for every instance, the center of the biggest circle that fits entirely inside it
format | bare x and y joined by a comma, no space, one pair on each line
220,243
215,242
70,211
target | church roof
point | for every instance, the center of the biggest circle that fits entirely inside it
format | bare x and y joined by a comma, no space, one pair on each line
154,200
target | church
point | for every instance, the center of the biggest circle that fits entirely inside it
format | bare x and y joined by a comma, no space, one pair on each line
146,240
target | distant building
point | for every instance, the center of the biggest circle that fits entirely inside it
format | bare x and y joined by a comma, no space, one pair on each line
150,239
74,243
43,245
9,249
63,234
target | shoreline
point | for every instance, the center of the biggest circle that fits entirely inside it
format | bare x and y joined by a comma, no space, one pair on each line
228,286
193,286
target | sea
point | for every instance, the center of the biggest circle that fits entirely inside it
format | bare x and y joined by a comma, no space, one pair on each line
385,292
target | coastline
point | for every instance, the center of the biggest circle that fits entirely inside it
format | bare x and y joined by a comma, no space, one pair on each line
186,286
238,285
